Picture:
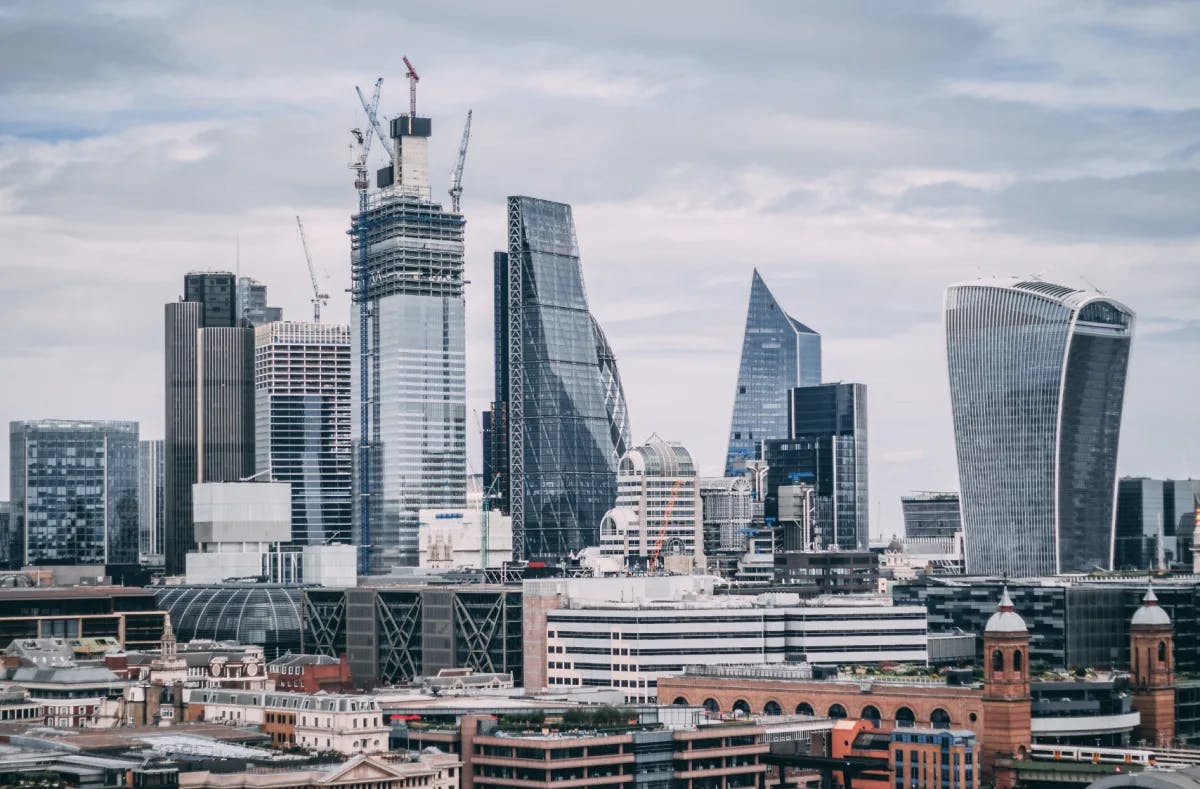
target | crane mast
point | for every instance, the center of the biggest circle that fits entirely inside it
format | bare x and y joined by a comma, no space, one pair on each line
456,176
318,298
413,79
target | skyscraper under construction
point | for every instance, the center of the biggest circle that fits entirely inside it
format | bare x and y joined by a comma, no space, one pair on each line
409,282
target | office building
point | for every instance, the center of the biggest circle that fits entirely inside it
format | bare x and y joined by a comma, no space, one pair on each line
74,492
559,421
1181,505
209,401
409,280
1037,384
827,448
8,548
128,616
465,539
395,634
151,503
1144,539
252,303
931,515
627,632
778,354
657,520
729,505
302,423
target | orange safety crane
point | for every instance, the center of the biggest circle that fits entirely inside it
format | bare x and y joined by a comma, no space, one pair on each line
662,533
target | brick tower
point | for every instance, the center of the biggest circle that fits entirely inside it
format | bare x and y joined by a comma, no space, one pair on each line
1006,702
1152,670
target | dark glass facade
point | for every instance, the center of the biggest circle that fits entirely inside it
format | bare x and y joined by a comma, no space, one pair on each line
1140,524
1072,625
263,614
560,413
74,492
931,515
151,502
828,449
252,303
209,433
1037,382
778,354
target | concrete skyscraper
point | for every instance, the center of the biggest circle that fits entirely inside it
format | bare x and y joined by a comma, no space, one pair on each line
74,492
415,352
1037,385
151,501
302,417
209,401
778,354
559,423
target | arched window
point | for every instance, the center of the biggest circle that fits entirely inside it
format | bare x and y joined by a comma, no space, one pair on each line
905,717
836,711
742,706
804,708
712,706
871,713
1162,651
1017,660
939,719
997,661
772,708
680,701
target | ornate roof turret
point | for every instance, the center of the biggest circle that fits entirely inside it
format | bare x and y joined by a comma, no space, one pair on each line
1006,619
1150,613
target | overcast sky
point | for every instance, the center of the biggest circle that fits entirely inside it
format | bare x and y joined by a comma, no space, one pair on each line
862,155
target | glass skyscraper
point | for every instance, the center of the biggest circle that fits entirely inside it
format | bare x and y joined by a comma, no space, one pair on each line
209,400
415,351
74,492
1037,383
151,501
778,353
827,448
559,423
302,419
931,515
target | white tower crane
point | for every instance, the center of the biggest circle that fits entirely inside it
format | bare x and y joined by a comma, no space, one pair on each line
318,298
456,176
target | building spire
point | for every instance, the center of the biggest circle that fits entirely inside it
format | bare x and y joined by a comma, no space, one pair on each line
170,648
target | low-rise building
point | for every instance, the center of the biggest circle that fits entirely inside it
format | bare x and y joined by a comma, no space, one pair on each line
129,616
453,538
344,724
310,673
625,633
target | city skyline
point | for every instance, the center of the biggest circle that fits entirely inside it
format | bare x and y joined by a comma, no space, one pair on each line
858,217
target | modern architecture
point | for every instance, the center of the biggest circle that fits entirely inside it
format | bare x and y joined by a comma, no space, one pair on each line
128,616
302,424
627,632
209,401
244,613
1037,383
657,519
826,448
395,634
778,354
559,422
409,364
252,303
729,506
74,492
931,515
151,501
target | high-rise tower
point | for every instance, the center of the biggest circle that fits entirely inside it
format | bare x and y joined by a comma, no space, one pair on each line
412,293
778,354
1037,383
151,504
559,423
74,492
302,417
209,401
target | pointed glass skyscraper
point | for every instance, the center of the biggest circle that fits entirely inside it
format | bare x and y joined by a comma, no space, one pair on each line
778,354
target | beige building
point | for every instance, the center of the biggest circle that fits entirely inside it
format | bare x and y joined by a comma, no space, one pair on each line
433,771
324,722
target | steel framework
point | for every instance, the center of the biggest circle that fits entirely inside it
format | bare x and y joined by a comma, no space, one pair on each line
516,380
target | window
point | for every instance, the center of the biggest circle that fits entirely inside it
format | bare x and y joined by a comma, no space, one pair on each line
1017,660
997,661
1162,651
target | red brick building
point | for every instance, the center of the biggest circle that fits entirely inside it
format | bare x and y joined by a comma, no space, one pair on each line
1152,670
310,673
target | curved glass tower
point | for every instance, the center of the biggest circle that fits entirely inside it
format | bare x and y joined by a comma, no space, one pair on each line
779,353
1037,383
559,423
